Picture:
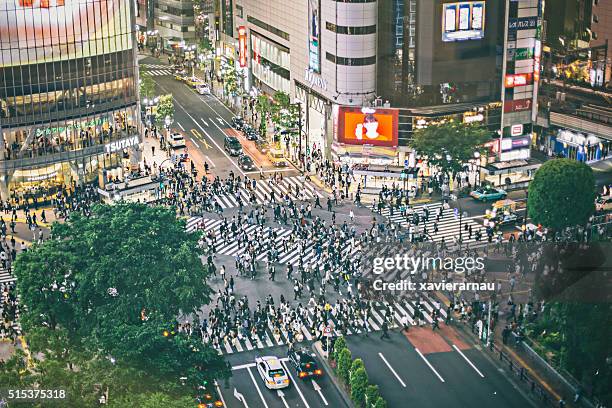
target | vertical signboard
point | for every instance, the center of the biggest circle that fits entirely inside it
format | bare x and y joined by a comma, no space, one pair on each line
314,35
242,46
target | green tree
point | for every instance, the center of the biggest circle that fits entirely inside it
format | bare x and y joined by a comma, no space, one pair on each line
372,393
147,85
154,400
562,194
357,364
114,283
359,383
450,145
165,107
380,403
339,345
263,106
343,364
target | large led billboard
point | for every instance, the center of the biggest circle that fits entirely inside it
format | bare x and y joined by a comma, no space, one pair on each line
463,21
37,31
359,126
314,35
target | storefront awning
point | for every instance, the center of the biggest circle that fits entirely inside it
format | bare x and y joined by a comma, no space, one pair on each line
582,125
513,166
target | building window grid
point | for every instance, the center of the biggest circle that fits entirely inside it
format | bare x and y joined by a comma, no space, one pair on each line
33,86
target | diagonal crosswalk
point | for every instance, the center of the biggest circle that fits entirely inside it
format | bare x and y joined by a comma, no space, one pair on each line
378,313
448,227
269,238
6,276
294,187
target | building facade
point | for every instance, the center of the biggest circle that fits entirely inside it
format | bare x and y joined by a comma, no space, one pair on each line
68,93
174,22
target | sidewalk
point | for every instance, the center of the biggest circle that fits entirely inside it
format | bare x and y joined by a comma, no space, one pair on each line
556,388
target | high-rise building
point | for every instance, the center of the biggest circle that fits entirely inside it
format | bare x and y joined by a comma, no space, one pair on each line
174,22
601,35
68,92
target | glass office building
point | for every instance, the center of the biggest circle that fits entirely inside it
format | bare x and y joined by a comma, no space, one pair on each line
68,88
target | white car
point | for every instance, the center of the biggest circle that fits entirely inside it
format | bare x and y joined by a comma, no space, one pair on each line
176,141
203,89
272,372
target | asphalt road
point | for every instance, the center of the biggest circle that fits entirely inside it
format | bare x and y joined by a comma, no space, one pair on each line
300,394
406,380
206,121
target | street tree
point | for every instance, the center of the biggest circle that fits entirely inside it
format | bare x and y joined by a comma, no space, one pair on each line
115,283
380,403
165,108
562,194
372,393
339,345
343,365
263,106
147,85
450,145
359,384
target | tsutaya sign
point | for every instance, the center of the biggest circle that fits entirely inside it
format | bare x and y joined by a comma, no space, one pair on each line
120,144
315,79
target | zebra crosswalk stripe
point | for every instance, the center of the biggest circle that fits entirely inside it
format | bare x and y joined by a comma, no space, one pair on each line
400,309
448,227
6,276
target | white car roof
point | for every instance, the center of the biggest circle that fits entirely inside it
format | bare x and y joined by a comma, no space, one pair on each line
273,362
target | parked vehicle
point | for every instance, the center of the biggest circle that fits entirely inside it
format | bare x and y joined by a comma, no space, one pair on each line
237,122
176,140
488,193
232,146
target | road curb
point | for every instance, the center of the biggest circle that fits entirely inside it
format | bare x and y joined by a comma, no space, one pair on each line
316,346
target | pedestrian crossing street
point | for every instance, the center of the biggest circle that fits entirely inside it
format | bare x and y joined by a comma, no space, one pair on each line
296,189
400,309
6,276
231,247
157,69
448,227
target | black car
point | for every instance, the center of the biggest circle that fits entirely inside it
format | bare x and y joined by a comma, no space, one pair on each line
233,146
237,122
304,363
246,163
251,134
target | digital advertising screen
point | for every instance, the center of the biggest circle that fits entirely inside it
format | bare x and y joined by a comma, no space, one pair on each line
37,31
359,126
463,21
314,35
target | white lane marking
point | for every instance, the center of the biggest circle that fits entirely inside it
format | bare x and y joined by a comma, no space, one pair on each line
429,365
211,162
181,126
317,388
296,386
240,367
220,395
469,362
257,387
239,397
206,133
205,122
220,120
392,370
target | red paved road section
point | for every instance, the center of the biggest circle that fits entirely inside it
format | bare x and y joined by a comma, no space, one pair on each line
427,341
451,335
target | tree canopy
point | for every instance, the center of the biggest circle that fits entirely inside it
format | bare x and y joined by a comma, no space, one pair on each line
165,107
450,145
115,283
562,194
147,85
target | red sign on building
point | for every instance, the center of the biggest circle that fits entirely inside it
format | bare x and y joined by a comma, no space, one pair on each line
513,80
242,46
518,105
